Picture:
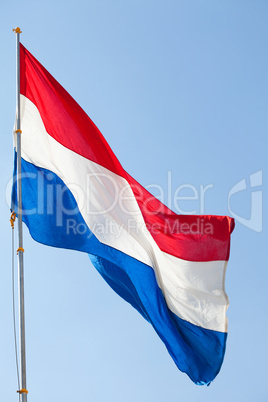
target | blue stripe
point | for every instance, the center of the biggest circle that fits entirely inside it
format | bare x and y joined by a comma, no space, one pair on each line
196,351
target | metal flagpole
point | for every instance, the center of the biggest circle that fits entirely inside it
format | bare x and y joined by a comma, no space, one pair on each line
23,390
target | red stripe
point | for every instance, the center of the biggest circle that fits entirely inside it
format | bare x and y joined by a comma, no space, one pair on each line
63,118
190,237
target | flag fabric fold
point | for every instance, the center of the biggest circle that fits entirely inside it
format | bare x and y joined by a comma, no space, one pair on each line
76,195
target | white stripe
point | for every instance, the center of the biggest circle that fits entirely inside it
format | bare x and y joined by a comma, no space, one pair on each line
193,290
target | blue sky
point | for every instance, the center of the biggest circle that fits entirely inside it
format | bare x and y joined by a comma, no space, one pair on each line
179,90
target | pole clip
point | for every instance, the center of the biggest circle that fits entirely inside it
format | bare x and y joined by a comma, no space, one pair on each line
22,391
20,249
17,30
18,131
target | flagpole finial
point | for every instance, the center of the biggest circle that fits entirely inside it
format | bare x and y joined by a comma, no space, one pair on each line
17,30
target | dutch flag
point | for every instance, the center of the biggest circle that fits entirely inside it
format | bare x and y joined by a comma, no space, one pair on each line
76,195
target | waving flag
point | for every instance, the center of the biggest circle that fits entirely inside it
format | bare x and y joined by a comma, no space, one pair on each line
76,195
